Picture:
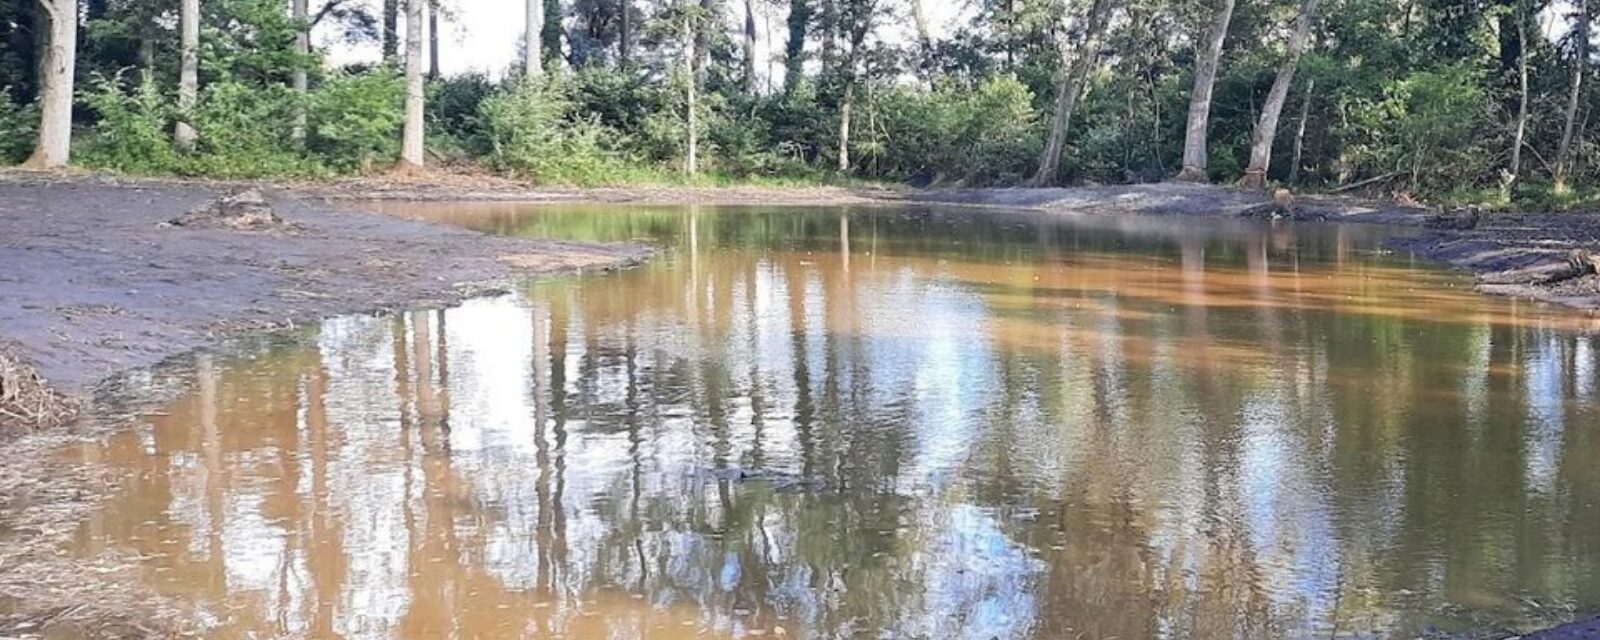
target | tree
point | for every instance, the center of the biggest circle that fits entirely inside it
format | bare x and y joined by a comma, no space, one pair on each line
533,41
433,40
749,46
857,19
411,144
1207,60
302,46
188,72
1580,62
624,33
1520,14
794,59
56,66
391,31
1255,177
1072,78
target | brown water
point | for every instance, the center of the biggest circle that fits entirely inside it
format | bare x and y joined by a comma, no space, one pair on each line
882,423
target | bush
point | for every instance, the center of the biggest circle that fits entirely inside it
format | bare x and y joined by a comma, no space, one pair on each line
985,135
1427,127
19,124
245,132
534,134
132,132
355,119
453,106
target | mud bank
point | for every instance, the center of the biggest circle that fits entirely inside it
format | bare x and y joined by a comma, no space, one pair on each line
1514,255
94,283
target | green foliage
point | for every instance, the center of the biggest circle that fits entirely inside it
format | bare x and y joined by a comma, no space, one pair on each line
1426,126
986,135
18,124
133,130
355,120
532,135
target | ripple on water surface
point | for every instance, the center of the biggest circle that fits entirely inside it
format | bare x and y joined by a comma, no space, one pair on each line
889,422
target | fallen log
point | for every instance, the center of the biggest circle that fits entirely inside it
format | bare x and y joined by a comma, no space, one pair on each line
1580,263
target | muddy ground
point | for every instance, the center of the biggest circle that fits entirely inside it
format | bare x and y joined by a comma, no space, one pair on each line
93,282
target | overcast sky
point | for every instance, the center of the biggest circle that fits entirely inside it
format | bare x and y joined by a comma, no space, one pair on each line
482,35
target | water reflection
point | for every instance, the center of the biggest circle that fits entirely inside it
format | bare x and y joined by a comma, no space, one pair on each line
891,423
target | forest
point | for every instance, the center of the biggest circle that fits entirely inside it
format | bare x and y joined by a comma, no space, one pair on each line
1481,101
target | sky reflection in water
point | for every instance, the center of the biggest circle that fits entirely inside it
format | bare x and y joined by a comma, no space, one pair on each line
890,423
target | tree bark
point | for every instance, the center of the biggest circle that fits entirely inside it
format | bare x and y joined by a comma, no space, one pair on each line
702,37
411,147
1255,176
1579,63
533,36
691,82
794,59
1300,133
302,48
188,72
1515,171
625,34
1067,91
391,31
925,62
1195,158
750,47
433,40
846,109
56,67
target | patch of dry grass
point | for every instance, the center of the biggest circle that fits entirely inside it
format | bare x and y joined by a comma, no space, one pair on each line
28,401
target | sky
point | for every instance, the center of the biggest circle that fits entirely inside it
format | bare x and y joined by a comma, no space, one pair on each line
482,36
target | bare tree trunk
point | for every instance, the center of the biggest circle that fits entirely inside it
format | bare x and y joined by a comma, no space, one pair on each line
691,83
709,15
391,30
846,107
1515,171
56,67
1205,77
1255,177
625,33
433,40
794,58
533,34
919,19
1579,62
750,46
411,146
188,72
1068,90
1300,132
302,47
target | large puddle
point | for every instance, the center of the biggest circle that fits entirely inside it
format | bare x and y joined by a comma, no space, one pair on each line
882,423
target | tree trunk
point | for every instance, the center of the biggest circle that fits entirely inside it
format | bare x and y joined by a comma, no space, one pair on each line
625,34
56,67
391,31
846,107
533,35
1300,133
433,40
1515,171
411,147
1579,62
702,38
302,48
925,62
1067,91
188,72
691,83
794,59
1205,77
1255,177
750,46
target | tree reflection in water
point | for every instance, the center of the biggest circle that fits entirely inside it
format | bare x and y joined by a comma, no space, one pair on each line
891,423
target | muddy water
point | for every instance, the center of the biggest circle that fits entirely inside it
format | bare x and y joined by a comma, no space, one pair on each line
881,423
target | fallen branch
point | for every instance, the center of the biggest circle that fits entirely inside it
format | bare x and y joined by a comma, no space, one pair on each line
1579,264
1362,183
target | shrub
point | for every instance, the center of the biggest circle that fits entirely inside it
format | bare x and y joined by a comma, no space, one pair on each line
132,132
19,123
355,119
533,134
1427,126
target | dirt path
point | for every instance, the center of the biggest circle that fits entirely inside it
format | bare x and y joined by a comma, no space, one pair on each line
94,284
